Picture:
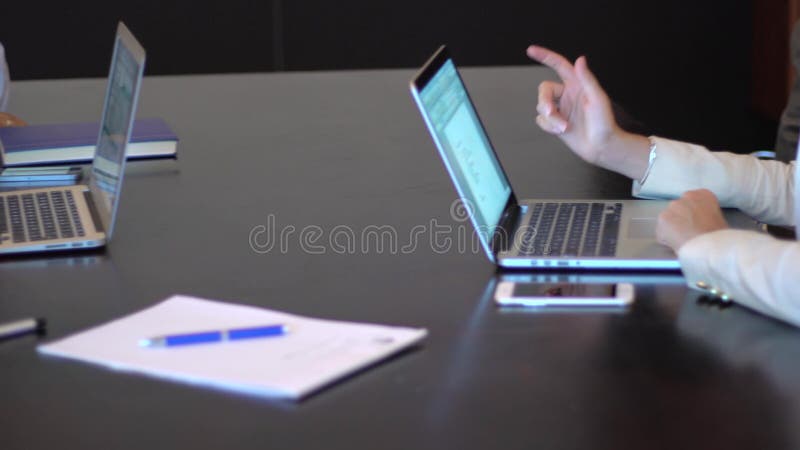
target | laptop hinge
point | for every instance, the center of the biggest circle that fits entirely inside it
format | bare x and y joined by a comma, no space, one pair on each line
504,232
98,224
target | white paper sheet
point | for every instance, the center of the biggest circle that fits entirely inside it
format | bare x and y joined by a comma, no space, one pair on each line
313,354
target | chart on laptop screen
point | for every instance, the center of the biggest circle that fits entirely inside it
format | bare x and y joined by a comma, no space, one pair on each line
465,146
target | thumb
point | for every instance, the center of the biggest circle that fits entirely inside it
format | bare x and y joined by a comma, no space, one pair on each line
587,78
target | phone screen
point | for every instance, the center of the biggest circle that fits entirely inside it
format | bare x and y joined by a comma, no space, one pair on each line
564,290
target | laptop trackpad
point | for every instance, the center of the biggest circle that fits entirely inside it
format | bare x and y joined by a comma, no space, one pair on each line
642,228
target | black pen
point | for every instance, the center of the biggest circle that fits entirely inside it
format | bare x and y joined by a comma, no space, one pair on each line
22,327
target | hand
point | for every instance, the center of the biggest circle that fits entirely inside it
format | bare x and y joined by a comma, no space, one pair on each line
695,213
578,110
10,120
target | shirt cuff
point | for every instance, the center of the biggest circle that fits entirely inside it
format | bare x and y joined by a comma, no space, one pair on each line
710,263
668,176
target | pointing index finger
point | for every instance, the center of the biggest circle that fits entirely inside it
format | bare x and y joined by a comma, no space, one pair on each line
552,60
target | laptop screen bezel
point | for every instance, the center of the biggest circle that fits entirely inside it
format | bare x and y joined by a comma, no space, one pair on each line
504,229
126,39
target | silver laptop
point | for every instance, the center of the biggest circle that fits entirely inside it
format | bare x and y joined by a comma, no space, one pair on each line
82,216
592,233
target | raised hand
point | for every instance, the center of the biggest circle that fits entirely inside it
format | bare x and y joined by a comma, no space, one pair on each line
578,110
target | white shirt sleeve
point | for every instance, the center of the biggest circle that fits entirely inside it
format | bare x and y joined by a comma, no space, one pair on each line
763,190
753,269
4,79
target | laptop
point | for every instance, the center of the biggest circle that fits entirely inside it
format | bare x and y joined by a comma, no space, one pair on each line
82,216
541,233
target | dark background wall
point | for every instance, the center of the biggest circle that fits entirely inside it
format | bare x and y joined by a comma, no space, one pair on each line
681,67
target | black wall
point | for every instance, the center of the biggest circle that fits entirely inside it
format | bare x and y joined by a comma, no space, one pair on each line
682,67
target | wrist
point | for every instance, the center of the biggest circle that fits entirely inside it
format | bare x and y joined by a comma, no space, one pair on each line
625,153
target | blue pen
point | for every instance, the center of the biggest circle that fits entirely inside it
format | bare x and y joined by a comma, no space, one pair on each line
207,337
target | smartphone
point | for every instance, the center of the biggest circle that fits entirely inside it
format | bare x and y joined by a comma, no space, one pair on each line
509,293
64,174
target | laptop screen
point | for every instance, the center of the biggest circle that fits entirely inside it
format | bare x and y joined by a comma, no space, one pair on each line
465,147
120,104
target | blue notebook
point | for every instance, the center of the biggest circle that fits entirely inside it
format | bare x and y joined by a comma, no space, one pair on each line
75,142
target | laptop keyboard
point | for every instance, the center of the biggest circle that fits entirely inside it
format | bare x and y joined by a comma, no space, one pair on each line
39,216
572,229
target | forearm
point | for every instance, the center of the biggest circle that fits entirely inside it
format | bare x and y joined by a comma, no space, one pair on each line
754,269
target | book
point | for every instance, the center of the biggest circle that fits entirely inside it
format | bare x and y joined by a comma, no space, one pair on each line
75,142
312,354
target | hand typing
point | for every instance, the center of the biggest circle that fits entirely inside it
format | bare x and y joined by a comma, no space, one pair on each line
696,212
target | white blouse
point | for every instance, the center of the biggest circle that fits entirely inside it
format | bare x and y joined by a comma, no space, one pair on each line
754,269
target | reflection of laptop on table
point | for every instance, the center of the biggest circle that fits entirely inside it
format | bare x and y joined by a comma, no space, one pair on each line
611,234
82,216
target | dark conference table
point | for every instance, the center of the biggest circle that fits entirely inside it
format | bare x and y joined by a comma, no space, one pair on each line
349,149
